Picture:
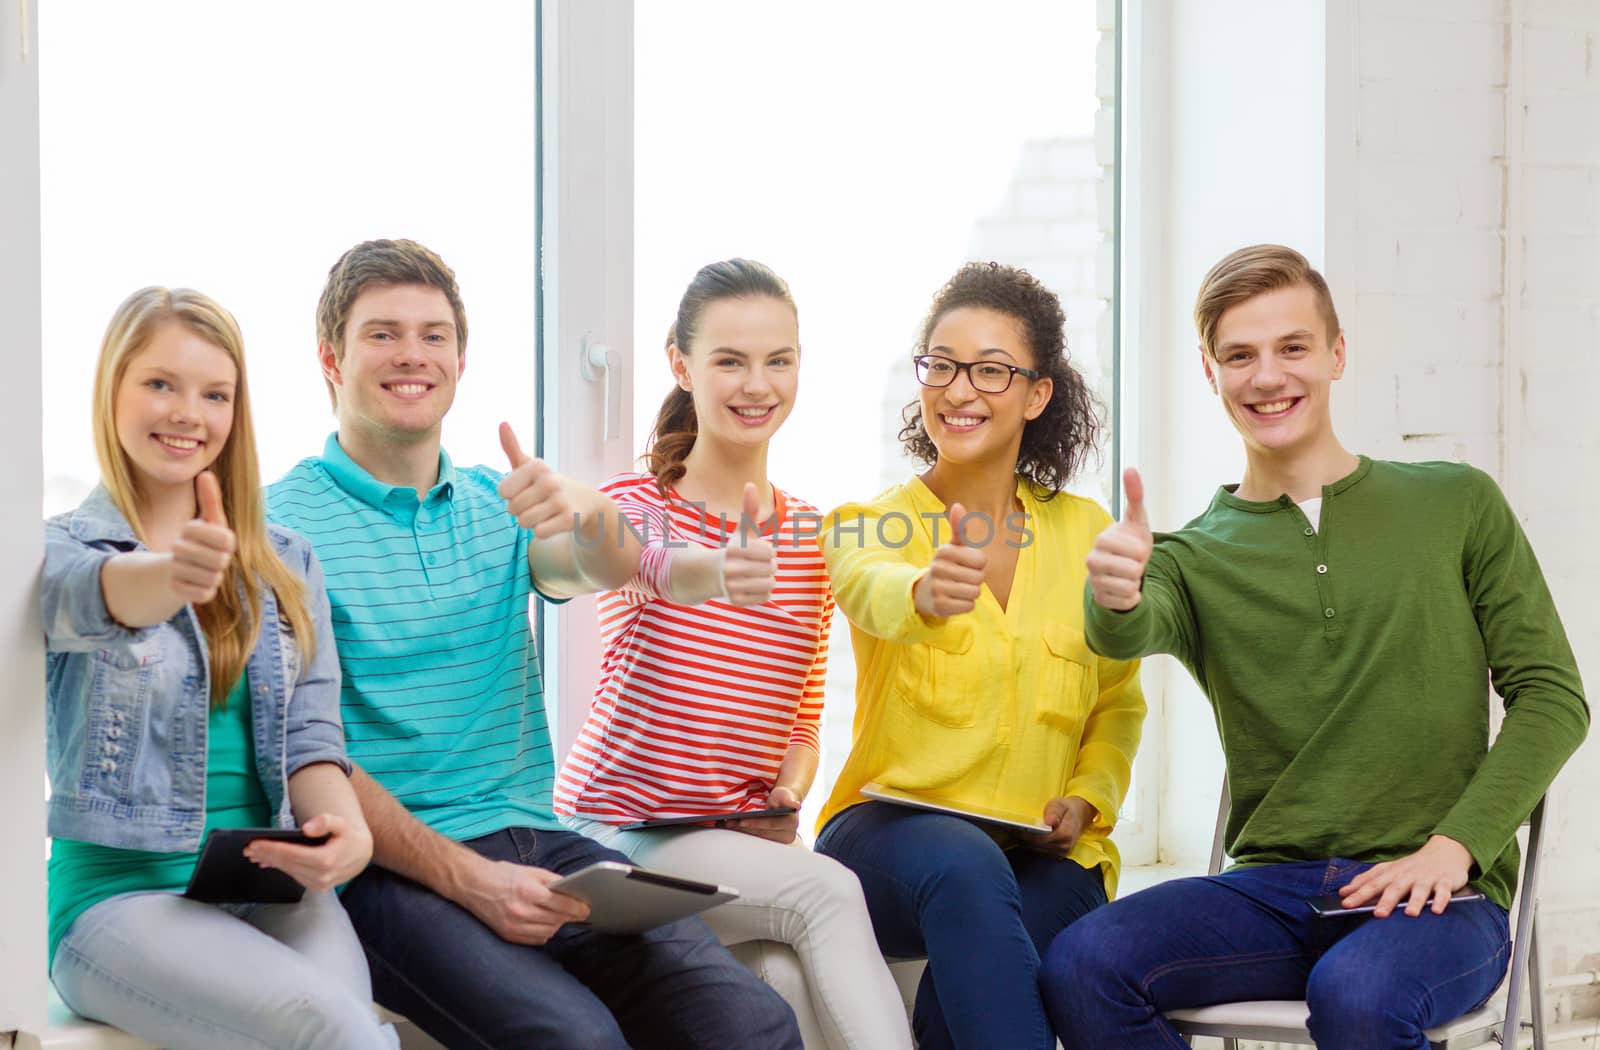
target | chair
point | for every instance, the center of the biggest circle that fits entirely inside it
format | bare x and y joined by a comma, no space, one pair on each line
1285,1021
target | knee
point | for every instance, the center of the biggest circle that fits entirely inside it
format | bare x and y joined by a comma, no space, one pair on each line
334,1019
759,1016
1085,961
975,876
835,886
1352,1006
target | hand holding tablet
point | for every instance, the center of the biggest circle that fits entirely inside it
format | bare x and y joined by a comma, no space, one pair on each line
224,875
625,899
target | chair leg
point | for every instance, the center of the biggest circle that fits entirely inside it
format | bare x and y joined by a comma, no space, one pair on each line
1535,983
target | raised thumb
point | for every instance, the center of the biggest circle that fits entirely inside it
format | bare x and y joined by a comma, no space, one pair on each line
508,441
208,496
1133,498
957,512
750,509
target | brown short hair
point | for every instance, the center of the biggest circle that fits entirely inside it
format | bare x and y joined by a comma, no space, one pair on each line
381,263
1254,271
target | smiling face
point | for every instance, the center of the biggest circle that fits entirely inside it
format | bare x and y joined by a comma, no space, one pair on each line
742,368
1273,370
967,425
174,408
396,377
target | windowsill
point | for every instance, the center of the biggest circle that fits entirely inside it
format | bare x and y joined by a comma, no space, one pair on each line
1136,877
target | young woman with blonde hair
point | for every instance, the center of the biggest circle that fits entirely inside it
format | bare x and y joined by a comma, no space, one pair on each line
193,684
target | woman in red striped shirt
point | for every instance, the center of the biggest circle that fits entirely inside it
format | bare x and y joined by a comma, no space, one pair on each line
710,692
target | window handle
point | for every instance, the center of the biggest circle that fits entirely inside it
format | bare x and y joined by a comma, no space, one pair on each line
598,363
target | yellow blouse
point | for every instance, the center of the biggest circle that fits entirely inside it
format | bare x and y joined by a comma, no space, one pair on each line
1005,708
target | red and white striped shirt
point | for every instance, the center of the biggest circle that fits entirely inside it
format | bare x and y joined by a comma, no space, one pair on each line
697,704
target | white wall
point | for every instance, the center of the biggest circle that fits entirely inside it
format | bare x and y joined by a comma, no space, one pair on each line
1468,269
22,904
1441,160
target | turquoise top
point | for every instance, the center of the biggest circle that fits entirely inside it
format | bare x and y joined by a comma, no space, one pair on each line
442,698
82,874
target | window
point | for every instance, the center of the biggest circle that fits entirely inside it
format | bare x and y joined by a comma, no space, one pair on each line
240,148
865,152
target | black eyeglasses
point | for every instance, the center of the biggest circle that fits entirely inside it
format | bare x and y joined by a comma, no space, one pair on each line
991,377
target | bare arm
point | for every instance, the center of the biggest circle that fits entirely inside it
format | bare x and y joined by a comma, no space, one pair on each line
143,589
511,899
795,774
595,555
324,803
138,590
579,545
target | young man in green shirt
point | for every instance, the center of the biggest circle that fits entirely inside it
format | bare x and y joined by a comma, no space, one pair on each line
1345,617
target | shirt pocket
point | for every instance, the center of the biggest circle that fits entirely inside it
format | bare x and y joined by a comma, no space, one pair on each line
938,680
1066,679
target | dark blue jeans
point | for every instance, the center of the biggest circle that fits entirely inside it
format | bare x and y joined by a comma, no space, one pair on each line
939,886
1372,984
673,987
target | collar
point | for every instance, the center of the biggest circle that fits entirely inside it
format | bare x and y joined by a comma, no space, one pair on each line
1225,494
358,482
97,520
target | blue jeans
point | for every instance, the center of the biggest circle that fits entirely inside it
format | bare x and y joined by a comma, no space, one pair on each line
672,987
1372,984
192,976
939,886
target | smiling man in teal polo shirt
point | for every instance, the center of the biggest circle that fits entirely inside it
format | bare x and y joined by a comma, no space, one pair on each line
430,568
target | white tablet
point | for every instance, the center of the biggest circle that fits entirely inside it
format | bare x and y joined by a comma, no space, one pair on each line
922,800
625,899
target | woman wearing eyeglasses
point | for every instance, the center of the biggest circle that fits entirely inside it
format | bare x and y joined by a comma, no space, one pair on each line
964,591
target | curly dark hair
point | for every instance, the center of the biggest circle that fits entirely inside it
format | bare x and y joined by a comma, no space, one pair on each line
1056,445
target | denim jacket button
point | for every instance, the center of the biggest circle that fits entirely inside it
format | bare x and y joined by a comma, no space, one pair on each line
108,766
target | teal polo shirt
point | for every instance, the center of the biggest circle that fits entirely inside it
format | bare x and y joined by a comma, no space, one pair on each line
442,698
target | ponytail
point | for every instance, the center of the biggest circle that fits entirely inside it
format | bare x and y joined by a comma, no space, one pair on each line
673,437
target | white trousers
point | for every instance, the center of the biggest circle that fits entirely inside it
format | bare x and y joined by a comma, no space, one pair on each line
800,922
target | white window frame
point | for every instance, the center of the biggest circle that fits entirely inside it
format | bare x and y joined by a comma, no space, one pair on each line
586,277
22,704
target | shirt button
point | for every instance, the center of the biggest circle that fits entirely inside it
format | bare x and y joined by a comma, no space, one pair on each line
1322,569
433,559
1327,613
1310,531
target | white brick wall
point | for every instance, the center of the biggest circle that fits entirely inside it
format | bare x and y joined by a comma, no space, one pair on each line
1475,324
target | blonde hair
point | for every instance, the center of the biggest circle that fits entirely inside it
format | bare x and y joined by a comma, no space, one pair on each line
1254,271
231,620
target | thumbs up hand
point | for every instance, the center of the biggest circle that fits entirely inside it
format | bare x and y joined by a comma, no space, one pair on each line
204,546
747,562
954,578
538,497
1121,552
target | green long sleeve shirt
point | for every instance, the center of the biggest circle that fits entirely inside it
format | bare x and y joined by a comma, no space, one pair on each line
1348,665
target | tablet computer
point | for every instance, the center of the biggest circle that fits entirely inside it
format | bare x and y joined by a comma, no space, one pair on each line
626,899
224,876
1330,904
923,800
706,818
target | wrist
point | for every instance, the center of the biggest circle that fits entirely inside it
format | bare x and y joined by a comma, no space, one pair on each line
1455,849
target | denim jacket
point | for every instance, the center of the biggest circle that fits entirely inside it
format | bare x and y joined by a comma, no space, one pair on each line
129,709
